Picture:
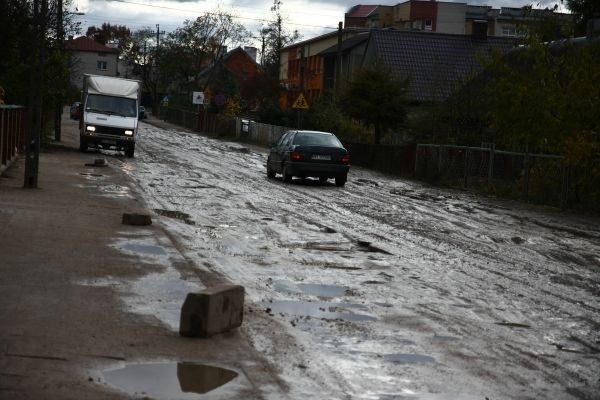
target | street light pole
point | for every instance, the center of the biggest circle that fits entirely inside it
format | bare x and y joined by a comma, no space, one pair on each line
32,150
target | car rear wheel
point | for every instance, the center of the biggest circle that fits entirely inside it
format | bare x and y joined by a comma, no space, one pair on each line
270,172
287,178
341,180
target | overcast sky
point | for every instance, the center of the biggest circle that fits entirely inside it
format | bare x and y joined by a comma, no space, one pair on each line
310,18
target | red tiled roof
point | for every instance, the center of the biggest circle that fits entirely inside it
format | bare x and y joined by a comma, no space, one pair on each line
361,11
84,43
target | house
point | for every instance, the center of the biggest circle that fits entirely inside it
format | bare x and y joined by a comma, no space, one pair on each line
90,57
452,17
369,16
302,70
227,75
435,64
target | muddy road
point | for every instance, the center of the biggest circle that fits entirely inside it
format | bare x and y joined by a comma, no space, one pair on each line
385,288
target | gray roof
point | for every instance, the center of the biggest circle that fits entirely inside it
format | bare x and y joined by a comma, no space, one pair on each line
436,64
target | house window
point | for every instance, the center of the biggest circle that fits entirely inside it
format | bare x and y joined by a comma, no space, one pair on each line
101,65
509,30
428,24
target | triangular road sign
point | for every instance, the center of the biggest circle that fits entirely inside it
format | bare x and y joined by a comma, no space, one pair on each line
300,103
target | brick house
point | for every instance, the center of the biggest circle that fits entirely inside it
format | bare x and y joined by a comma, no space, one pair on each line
90,57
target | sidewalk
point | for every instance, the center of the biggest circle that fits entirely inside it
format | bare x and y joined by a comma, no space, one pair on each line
64,279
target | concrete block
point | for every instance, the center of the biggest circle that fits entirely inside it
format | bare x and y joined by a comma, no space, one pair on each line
212,311
136,219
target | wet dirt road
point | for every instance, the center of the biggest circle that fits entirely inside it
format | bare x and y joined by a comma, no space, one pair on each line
385,289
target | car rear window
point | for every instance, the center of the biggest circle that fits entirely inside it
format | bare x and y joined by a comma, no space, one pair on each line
316,139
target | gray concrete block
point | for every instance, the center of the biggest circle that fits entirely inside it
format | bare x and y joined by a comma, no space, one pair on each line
136,219
212,311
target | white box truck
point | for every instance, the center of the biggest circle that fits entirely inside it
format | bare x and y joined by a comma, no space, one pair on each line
109,117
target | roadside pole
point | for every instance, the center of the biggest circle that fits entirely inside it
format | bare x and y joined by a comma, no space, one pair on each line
59,46
32,149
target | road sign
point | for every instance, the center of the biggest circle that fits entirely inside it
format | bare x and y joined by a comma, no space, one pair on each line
198,98
300,103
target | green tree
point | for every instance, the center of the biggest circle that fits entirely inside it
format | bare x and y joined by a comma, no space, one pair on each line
546,95
585,10
108,33
376,99
189,49
274,37
142,56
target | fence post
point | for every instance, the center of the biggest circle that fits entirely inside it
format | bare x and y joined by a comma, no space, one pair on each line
439,161
491,167
564,198
526,181
466,167
2,133
416,161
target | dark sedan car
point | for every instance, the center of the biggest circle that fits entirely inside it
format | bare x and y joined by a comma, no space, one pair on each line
309,154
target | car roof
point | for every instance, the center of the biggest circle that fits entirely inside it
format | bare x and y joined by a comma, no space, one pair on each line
317,132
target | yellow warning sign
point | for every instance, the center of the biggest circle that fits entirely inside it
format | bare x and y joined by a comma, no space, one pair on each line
301,103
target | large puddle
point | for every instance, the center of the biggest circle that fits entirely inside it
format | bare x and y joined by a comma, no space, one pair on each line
167,381
333,311
310,289
146,249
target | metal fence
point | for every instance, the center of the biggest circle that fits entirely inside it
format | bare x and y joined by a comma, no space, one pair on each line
257,132
539,178
12,134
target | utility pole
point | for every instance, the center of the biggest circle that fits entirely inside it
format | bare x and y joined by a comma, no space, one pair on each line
338,60
36,85
59,45
158,33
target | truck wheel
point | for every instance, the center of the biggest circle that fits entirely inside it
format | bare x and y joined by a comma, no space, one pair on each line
129,150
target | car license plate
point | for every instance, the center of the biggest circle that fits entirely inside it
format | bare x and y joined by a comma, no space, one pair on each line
321,157
107,141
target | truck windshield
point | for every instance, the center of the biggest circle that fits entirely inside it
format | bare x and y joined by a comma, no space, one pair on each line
111,105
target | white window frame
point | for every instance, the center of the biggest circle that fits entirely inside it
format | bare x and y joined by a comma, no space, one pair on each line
509,30
428,25
101,65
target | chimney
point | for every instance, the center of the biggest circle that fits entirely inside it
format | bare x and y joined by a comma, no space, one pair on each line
480,27
252,52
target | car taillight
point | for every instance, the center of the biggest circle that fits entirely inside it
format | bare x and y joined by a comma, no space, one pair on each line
345,159
295,155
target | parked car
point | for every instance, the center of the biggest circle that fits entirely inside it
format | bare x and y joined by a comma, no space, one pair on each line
75,110
141,112
309,154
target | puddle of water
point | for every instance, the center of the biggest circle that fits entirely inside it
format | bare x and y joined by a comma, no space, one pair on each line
176,215
169,380
161,296
145,249
318,310
310,288
400,358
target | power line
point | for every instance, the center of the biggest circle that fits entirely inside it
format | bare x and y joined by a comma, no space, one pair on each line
261,20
